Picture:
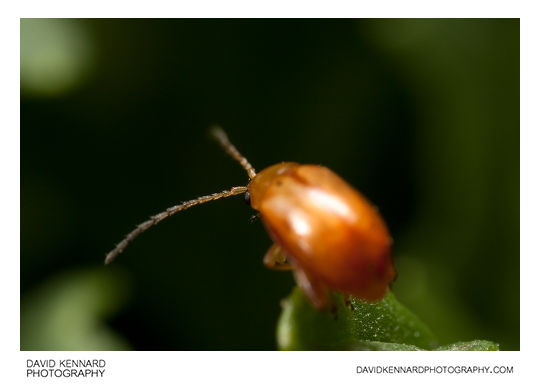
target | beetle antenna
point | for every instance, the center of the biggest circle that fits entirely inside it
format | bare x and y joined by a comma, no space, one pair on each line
219,134
167,213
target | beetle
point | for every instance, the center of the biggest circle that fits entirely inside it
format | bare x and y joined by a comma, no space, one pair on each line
322,228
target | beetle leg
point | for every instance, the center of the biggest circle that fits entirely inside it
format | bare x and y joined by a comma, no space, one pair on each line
312,288
255,217
275,258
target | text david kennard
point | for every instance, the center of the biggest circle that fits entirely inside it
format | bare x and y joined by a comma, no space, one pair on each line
65,368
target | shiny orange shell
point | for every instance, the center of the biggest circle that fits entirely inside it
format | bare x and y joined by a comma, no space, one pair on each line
326,227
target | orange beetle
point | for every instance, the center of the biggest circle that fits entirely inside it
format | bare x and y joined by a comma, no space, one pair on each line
322,228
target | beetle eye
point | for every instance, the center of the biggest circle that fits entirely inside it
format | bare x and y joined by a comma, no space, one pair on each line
247,198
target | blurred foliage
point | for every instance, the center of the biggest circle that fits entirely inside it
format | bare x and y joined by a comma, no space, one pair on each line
422,116
55,55
68,312
358,325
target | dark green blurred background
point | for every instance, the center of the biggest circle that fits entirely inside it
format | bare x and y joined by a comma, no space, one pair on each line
420,115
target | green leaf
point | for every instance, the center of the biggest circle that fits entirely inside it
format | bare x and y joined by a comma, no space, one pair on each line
475,345
380,346
360,325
